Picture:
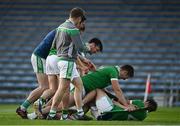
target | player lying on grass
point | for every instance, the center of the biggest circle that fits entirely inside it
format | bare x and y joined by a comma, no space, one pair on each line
102,78
108,108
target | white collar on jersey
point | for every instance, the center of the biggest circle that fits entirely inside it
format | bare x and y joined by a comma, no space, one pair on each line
71,21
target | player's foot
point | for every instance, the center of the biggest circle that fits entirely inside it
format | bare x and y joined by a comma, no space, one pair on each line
77,117
56,117
21,113
38,105
36,109
87,118
32,116
44,116
67,118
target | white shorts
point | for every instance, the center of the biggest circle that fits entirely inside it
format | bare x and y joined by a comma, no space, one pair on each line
104,104
38,64
52,65
67,69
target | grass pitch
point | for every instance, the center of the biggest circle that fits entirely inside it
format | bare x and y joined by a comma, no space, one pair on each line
163,116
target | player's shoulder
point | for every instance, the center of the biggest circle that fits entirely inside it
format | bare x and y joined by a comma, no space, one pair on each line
107,67
68,25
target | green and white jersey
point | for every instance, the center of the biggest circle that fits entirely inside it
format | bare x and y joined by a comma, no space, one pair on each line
101,78
118,113
68,41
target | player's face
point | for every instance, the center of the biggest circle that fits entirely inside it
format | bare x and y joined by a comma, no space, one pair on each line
77,21
93,48
124,74
81,26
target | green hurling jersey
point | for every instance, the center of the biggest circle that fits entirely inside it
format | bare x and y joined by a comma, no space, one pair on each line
118,113
140,114
101,78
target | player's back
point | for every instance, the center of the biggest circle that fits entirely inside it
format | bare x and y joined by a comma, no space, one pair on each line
63,40
101,78
42,50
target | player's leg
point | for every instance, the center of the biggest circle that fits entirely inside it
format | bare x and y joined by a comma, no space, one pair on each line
53,86
71,99
78,94
53,72
103,102
63,86
77,82
89,97
39,68
66,69
64,105
43,85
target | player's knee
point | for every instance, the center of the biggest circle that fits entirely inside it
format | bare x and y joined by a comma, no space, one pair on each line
53,91
44,87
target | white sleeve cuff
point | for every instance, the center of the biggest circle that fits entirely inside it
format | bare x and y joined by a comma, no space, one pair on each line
114,79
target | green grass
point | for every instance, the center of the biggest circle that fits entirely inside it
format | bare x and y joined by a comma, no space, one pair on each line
163,116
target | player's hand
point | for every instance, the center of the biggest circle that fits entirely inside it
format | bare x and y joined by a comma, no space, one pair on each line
90,64
131,108
86,61
92,67
85,69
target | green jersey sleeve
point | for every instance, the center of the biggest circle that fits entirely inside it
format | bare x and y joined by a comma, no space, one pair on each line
113,73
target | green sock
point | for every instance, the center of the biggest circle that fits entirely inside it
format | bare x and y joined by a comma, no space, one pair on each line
25,105
52,113
64,114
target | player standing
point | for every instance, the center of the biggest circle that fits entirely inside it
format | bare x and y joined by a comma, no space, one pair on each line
38,60
68,43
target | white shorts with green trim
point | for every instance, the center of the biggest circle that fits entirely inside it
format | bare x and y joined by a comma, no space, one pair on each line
67,69
52,65
104,104
38,64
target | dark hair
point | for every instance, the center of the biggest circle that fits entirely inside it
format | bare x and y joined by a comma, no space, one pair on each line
83,18
77,12
152,105
82,29
97,42
129,69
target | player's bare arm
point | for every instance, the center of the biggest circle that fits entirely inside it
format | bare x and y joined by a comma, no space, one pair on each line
120,96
